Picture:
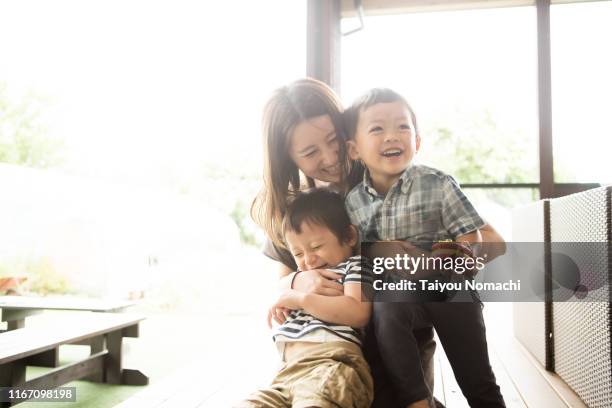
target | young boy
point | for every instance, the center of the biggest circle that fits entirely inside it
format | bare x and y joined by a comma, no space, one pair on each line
320,340
400,201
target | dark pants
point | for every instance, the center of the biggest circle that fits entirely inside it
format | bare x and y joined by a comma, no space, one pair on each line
384,393
393,351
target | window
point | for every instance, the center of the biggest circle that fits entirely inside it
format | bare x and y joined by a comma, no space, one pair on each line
157,106
470,76
581,89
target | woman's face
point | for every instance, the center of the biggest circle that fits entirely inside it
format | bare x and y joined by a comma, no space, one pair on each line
314,148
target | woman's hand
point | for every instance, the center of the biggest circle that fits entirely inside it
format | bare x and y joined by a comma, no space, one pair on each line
319,281
288,300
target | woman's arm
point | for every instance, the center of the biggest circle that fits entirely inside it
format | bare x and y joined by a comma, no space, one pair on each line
348,309
319,281
493,244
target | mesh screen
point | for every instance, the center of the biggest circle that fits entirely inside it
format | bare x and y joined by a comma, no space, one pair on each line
581,340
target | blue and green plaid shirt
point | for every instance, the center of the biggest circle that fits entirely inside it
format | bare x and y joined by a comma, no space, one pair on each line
424,205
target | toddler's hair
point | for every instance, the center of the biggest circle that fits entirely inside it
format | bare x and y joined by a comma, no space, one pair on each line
372,97
318,206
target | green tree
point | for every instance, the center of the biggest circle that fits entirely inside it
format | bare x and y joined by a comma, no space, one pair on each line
480,151
23,140
474,148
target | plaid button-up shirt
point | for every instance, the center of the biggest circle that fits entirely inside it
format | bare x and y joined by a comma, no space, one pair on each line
424,205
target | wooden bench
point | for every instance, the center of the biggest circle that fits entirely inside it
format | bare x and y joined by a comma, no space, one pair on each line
104,330
15,309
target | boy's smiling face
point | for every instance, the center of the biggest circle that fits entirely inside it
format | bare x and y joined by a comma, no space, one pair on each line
316,247
386,141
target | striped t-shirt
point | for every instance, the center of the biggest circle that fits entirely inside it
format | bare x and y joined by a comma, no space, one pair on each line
301,326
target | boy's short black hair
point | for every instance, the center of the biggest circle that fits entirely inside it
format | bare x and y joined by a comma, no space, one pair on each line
319,206
372,97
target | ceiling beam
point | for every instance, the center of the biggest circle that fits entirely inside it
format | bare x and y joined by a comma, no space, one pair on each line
384,7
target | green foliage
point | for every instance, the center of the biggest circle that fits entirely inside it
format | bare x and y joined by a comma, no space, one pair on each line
240,215
23,139
42,277
474,148
480,151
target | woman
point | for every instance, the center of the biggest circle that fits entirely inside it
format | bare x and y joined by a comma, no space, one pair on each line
304,146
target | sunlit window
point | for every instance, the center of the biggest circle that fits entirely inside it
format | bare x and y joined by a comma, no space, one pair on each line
130,145
581,89
470,76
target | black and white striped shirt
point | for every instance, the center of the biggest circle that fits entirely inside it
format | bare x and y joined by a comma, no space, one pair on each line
301,326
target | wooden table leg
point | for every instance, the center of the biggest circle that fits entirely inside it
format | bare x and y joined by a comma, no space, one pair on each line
96,345
114,373
12,374
112,367
15,324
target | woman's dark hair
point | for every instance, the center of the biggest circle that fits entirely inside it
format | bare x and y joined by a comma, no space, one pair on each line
288,106
319,207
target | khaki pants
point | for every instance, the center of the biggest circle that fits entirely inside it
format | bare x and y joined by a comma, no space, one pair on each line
325,375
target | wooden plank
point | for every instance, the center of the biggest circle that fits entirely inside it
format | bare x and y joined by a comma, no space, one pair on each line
188,386
9,314
511,395
564,392
61,376
12,373
438,377
63,303
533,388
452,393
49,358
67,373
18,344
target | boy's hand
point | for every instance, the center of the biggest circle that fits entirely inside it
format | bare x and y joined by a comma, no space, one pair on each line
450,249
319,281
278,314
287,301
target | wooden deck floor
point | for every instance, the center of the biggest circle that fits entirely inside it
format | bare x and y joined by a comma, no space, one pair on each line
222,377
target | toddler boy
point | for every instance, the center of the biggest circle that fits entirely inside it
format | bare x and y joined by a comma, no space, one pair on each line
320,340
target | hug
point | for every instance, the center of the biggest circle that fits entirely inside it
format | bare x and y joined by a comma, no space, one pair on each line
333,179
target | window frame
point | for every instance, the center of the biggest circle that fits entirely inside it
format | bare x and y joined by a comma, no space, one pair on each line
323,62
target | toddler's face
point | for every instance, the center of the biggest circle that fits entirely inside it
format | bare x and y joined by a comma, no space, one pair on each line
316,247
386,139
